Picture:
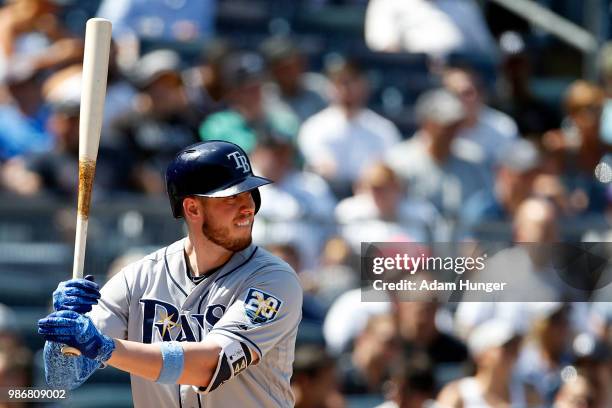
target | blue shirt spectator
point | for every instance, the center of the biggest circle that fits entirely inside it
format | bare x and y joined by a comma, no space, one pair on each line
176,20
21,134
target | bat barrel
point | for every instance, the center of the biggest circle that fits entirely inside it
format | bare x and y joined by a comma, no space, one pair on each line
93,92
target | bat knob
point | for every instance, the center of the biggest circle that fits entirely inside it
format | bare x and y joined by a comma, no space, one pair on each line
70,351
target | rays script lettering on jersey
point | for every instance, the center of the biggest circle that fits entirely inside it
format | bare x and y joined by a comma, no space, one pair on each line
241,161
165,319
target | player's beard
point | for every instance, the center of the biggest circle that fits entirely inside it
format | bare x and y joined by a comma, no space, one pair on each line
222,236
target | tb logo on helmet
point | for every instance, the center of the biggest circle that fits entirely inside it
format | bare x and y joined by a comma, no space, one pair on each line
241,161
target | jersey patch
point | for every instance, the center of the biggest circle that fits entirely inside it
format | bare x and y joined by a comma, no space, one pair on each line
261,307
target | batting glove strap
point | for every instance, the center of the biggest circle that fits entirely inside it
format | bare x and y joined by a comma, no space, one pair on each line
234,358
105,347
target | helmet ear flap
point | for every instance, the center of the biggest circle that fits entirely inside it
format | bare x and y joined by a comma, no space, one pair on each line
256,198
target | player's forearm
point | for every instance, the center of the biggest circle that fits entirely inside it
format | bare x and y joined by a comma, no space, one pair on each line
145,360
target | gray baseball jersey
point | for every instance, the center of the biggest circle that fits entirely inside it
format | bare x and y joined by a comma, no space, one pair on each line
254,298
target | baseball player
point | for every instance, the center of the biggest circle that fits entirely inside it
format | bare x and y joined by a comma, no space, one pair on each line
209,321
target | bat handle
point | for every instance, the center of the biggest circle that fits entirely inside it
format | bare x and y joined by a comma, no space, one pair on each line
70,351
77,270
79,246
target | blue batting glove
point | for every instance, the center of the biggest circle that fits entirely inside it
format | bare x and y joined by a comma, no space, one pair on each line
78,331
77,295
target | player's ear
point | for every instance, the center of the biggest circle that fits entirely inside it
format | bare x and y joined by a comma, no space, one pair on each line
192,208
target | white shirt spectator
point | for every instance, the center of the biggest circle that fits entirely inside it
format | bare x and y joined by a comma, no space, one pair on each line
470,315
359,221
346,145
298,209
485,142
388,404
436,27
339,331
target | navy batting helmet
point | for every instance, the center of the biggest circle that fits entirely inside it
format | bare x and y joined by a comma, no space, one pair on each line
211,169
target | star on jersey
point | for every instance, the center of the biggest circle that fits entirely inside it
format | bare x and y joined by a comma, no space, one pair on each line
167,322
161,318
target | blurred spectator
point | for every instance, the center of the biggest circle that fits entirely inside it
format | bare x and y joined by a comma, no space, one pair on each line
342,140
337,272
575,151
470,315
15,369
157,20
161,20
535,220
121,96
161,123
517,168
123,260
292,86
547,350
203,82
605,72
550,187
486,132
494,346
312,311
594,360
380,211
366,368
56,172
31,32
314,381
339,331
9,330
426,163
298,207
535,267
533,117
419,334
601,320
577,392
247,118
15,359
435,27
411,385
24,116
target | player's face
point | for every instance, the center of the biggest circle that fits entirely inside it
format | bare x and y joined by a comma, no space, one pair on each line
229,221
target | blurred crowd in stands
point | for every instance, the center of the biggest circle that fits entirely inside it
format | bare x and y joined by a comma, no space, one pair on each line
424,125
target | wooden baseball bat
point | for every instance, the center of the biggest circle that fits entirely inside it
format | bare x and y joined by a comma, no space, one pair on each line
93,92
